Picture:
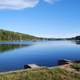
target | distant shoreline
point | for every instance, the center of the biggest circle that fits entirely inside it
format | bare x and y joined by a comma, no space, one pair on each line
16,36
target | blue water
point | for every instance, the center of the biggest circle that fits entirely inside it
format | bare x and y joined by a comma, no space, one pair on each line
14,55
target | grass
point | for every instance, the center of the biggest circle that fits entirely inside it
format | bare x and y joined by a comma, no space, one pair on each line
76,66
41,74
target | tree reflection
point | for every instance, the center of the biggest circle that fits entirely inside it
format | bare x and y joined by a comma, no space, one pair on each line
7,47
77,42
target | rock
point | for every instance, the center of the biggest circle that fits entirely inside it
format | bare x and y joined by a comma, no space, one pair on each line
32,66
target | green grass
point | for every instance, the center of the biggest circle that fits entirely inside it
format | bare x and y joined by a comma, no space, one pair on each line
41,74
76,66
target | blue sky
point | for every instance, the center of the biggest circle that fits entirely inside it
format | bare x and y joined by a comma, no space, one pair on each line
45,18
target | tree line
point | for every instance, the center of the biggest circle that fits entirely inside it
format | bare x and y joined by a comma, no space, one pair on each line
15,36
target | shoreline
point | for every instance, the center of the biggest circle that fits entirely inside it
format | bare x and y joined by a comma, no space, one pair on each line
62,72
63,64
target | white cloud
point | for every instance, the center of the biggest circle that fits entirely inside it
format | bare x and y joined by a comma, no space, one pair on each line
17,4
51,1
21,4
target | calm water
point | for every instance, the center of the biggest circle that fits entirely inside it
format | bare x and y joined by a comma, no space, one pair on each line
14,55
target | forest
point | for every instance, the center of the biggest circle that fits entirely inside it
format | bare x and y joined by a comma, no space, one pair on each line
15,36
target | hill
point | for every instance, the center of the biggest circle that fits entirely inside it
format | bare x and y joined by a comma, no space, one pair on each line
15,36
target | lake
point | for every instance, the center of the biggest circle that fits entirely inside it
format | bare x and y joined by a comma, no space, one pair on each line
14,55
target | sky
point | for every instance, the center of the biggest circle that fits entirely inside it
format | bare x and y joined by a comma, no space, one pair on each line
43,18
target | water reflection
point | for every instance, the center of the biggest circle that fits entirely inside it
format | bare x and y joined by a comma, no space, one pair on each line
77,42
8,47
43,53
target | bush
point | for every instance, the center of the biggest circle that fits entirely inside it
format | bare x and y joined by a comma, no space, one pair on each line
76,66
